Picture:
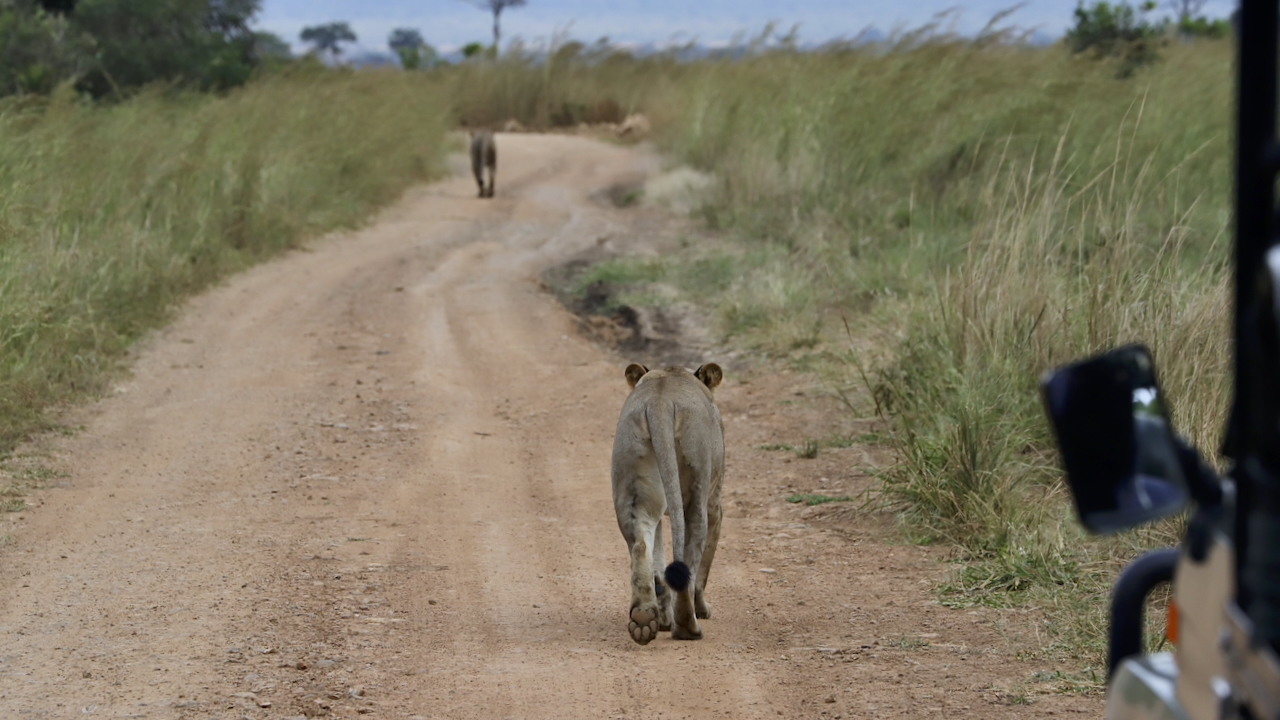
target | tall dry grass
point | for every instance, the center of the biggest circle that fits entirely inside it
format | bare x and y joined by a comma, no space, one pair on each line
572,84
977,212
109,215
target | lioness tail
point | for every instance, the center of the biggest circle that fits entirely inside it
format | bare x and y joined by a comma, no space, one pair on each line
677,575
662,433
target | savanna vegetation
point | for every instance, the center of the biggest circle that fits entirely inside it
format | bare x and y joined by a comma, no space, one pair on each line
109,215
928,223
934,225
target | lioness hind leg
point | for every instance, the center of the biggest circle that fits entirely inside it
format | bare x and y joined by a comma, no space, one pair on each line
642,619
656,560
685,625
714,515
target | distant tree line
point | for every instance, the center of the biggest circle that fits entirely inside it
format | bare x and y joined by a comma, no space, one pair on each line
1128,34
106,47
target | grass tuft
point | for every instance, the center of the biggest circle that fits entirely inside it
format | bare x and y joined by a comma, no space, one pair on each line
816,499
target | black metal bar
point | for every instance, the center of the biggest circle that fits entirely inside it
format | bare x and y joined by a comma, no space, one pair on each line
1129,597
1251,432
1255,196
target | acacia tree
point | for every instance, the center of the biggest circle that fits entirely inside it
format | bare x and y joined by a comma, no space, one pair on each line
496,7
328,38
1186,9
409,45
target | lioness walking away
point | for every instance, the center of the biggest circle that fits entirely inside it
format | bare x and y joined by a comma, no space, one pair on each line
668,457
484,154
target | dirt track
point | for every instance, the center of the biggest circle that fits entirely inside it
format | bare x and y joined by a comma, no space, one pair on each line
371,479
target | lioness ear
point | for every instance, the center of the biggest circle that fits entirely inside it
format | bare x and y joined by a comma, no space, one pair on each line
710,375
635,371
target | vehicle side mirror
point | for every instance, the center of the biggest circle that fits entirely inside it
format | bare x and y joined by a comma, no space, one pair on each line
1112,424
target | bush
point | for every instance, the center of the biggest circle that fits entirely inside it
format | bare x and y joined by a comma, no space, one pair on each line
37,49
107,47
1116,31
1203,27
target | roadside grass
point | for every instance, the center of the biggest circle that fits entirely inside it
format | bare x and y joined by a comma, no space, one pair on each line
807,449
579,84
812,499
929,228
907,643
111,215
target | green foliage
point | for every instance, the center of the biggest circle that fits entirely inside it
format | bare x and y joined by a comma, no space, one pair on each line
199,43
815,499
328,38
110,215
405,38
414,52
1203,27
38,49
807,450
1116,30
268,47
107,47
473,49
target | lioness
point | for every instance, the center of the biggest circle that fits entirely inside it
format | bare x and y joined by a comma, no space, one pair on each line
484,154
668,457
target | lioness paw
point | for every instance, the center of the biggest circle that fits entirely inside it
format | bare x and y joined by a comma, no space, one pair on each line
643,625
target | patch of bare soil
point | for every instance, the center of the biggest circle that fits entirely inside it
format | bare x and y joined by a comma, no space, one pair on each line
371,480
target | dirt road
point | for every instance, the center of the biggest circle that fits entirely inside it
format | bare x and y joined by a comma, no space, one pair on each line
371,479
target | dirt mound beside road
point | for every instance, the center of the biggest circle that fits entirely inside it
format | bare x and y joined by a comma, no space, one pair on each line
371,480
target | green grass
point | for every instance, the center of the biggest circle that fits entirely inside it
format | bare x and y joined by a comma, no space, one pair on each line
816,499
111,215
907,643
809,448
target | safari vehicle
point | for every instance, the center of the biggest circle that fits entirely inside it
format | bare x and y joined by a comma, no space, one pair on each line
1125,465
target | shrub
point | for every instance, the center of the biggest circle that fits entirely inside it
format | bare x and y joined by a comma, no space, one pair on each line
1116,31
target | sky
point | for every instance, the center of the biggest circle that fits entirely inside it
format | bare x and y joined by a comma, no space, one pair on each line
449,24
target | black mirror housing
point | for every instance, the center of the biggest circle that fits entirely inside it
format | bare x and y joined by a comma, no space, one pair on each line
1118,449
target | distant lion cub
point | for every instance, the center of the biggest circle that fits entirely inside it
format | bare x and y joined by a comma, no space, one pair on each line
484,154
668,457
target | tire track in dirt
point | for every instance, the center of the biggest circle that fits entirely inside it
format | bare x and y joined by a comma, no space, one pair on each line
371,480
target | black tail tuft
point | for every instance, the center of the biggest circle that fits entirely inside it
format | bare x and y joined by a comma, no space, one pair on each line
677,575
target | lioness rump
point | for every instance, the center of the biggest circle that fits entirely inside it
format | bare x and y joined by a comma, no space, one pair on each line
484,154
668,457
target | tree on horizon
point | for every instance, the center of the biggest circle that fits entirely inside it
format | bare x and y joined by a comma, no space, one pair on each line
496,7
328,38
411,47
